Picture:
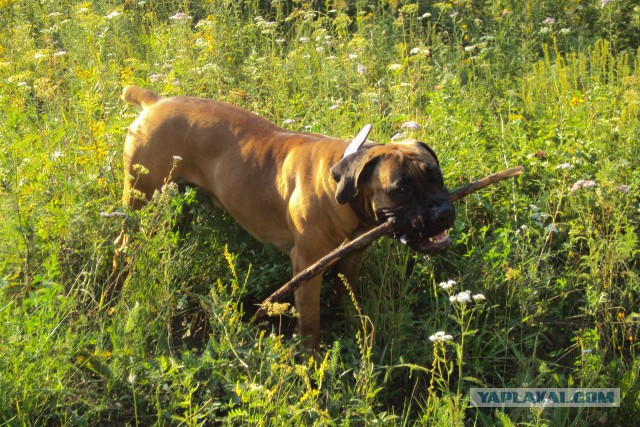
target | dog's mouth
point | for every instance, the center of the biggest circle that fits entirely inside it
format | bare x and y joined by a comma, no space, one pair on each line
429,245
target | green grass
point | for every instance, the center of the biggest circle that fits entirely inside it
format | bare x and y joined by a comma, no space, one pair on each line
493,84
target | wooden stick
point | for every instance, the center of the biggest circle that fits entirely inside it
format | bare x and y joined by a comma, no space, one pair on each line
474,186
368,237
326,262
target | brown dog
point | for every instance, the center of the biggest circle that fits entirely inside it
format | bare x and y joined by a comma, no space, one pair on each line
293,190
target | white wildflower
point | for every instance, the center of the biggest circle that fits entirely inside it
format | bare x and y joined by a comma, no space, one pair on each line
539,217
394,67
180,16
156,77
113,14
288,122
361,69
523,228
478,297
564,166
60,53
551,228
440,336
463,297
449,284
204,23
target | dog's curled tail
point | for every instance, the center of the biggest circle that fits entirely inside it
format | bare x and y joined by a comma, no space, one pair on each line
139,96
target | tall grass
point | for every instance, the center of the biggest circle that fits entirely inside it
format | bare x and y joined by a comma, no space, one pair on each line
550,85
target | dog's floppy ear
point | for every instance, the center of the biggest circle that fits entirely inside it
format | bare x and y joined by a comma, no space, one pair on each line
348,171
430,150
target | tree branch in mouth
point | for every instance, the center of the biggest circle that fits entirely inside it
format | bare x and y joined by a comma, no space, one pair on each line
371,235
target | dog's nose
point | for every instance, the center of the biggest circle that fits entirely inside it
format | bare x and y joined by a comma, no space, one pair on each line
443,214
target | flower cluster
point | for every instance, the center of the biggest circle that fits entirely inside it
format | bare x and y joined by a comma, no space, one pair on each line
449,284
266,26
582,183
463,297
440,336
180,16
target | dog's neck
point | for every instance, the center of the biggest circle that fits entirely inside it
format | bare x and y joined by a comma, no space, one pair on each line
359,206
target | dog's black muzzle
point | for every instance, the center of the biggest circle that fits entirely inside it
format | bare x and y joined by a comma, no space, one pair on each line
424,226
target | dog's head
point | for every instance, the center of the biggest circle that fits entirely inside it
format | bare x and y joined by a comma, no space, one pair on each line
403,181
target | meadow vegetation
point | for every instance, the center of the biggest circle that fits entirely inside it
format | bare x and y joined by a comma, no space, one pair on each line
540,289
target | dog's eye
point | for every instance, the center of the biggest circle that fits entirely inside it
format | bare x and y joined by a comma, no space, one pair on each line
400,191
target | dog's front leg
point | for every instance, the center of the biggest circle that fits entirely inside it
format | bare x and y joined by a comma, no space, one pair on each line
307,300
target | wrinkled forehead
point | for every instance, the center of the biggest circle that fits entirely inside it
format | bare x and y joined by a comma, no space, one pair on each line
416,150
402,161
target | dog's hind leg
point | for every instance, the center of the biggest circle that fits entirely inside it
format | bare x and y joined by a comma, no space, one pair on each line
145,172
